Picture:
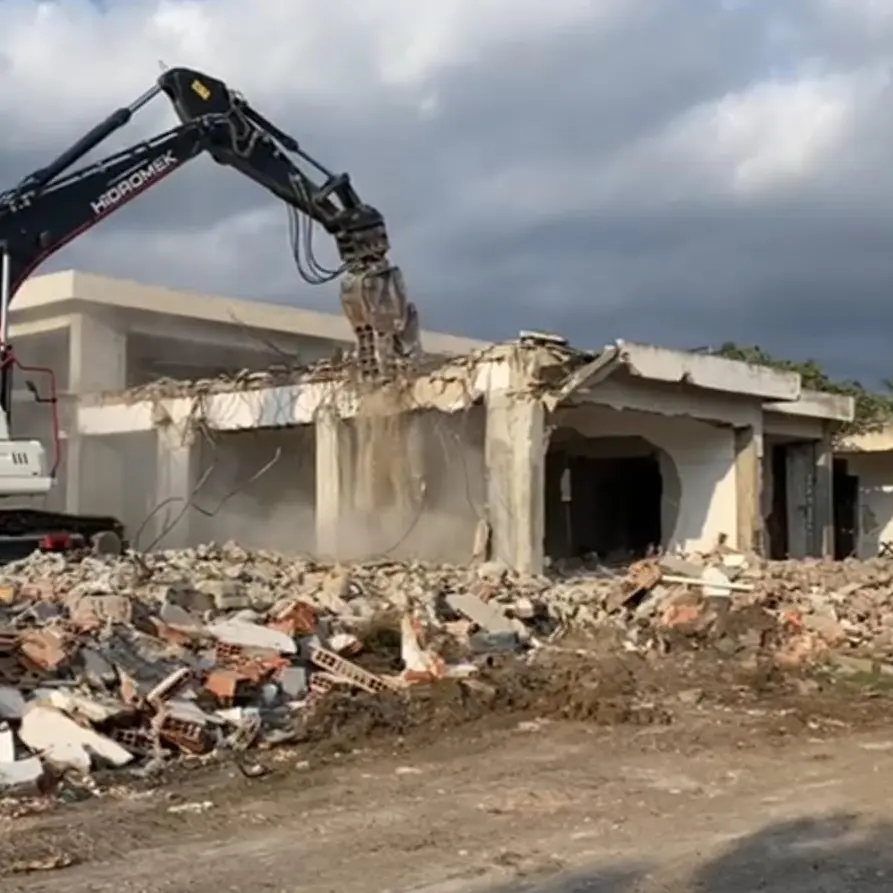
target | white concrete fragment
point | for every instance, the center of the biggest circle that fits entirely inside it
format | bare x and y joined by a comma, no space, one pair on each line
717,583
19,773
188,712
722,588
72,703
7,744
69,755
47,731
487,615
250,635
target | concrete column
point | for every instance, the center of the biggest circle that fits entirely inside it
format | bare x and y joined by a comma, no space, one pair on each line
97,359
824,498
515,453
177,474
333,463
95,476
749,486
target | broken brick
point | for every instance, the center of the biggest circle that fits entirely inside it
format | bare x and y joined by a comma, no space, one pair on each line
252,664
9,641
46,648
190,737
223,684
297,619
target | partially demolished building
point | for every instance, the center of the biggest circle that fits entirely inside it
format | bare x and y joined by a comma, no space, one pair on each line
528,451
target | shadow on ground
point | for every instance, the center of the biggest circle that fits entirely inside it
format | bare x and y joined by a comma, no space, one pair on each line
834,854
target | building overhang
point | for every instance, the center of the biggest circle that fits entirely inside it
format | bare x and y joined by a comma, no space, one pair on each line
777,392
817,405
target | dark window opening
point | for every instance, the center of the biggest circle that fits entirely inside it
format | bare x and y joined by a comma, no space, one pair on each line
608,506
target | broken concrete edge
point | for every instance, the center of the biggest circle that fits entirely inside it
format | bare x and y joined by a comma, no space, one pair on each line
548,369
341,374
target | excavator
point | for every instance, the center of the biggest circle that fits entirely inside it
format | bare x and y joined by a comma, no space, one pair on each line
53,205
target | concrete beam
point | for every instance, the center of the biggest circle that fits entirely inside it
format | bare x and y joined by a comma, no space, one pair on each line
621,392
709,372
20,330
817,405
449,389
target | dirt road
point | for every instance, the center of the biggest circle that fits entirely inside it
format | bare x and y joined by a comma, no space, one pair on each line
771,793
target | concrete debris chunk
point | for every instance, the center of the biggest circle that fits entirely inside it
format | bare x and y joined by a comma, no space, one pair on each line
62,742
489,616
251,635
20,773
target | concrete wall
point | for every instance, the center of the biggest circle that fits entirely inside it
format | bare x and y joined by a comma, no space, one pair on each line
259,489
697,465
429,490
875,509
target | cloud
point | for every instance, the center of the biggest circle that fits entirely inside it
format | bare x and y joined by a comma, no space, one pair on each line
685,171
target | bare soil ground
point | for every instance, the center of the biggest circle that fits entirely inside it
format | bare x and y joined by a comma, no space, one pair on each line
617,775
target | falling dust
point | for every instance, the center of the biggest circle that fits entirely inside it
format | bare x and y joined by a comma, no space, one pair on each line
388,491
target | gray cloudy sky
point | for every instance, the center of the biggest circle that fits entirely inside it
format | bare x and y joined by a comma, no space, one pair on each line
678,171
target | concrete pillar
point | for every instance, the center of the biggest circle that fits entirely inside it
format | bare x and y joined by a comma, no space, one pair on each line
97,359
749,486
333,463
515,454
177,474
95,476
824,498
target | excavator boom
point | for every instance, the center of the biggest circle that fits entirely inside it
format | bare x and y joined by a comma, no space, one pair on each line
53,205
373,293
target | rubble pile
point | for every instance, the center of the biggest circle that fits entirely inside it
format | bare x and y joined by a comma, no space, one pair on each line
126,660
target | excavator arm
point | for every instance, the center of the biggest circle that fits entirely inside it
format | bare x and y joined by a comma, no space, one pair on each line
52,206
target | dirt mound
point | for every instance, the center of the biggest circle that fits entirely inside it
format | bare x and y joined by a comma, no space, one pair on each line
605,691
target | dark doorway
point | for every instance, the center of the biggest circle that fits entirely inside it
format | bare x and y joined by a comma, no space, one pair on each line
846,508
608,506
777,522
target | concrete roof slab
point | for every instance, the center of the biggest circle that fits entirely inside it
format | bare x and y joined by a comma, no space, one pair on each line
58,293
709,372
817,405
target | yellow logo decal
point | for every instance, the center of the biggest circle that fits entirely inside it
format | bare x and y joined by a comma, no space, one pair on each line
201,89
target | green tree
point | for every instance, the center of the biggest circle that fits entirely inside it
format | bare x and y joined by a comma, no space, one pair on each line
873,408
